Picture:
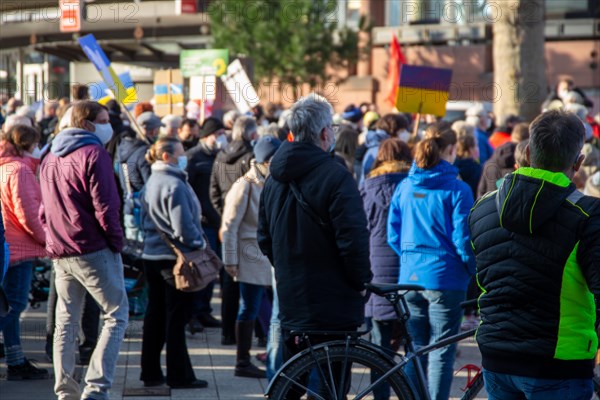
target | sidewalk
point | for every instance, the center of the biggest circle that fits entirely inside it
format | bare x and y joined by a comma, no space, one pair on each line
212,362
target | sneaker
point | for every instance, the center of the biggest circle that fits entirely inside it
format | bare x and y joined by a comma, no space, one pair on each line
249,371
209,321
25,371
262,357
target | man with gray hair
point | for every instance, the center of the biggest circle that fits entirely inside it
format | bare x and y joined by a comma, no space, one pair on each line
230,165
537,244
313,229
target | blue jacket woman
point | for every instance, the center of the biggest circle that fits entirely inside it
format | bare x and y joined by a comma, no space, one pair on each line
428,229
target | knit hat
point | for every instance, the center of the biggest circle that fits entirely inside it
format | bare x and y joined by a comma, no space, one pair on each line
149,120
210,125
265,148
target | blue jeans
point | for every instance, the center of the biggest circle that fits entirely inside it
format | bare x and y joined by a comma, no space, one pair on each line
513,387
381,335
435,315
16,285
274,345
251,298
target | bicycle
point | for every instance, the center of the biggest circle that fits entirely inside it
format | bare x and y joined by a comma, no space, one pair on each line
360,357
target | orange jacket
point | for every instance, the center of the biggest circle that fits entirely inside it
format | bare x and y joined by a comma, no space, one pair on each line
21,199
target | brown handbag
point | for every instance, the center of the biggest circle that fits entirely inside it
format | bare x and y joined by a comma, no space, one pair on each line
194,270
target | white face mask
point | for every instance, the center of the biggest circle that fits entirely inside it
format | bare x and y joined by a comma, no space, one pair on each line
221,142
36,153
563,94
104,132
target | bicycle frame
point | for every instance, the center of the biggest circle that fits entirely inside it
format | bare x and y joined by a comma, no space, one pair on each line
412,355
421,391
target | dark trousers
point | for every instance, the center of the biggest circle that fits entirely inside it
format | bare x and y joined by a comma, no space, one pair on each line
167,314
230,297
203,297
292,345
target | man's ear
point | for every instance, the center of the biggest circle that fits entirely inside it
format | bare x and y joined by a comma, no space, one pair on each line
578,163
323,135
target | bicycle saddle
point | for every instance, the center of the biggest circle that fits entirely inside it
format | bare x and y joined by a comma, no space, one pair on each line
381,289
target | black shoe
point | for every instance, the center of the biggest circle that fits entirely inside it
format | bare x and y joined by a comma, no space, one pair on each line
1,350
227,340
194,326
209,321
25,371
261,342
249,371
85,354
195,384
157,382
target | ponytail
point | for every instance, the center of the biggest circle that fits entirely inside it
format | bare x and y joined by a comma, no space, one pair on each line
163,145
22,137
428,152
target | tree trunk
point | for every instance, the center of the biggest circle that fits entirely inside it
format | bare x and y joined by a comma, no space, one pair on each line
519,65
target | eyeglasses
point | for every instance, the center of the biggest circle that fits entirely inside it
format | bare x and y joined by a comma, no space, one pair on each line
335,128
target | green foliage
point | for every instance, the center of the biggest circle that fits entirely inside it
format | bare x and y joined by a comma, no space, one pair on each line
292,40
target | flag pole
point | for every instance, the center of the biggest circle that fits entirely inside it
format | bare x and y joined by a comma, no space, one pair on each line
417,121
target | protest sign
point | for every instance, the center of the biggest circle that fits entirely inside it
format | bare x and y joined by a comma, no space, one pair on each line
423,90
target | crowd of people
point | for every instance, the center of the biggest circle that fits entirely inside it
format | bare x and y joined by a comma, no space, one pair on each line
304,206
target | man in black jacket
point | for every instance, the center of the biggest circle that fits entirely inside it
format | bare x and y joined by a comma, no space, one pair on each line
230,165
201,158
313,229
537,245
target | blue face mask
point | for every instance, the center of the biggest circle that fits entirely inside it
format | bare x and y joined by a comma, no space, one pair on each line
332,147
182,162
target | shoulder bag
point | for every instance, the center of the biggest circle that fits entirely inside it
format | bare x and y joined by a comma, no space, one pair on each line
194,270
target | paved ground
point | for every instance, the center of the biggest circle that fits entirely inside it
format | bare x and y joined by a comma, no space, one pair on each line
211,361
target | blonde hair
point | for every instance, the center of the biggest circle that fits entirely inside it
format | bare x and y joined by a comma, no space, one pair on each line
165,144
428,152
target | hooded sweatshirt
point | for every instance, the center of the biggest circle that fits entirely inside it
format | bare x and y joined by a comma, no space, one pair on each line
428,229
21,200
81,204
321,258
537,244
373,141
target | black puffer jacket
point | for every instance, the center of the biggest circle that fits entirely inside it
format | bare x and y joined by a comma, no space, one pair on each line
537,246
132,151
200,164
231,164
320,271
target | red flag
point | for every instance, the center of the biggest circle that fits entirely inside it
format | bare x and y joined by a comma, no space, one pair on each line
396,60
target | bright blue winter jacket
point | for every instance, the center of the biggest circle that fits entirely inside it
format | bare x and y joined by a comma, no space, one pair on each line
428,228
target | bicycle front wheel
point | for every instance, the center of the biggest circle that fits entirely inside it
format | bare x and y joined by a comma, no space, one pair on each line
337,372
